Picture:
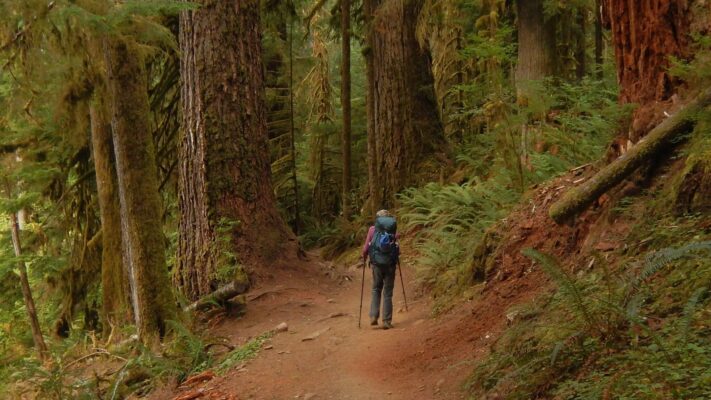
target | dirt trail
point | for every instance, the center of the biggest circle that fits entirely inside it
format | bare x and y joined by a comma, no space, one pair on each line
421,358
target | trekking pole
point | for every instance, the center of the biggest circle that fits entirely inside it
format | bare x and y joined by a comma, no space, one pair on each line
362,288
402,283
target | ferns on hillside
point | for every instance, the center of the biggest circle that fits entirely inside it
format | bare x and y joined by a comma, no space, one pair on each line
605,334
449,221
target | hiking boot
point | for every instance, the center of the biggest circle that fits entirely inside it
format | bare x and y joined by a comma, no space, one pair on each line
387,325
373,321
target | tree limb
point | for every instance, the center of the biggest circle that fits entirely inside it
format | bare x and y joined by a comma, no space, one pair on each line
579,198
219,296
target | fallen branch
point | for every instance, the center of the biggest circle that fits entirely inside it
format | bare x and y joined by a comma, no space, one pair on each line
219,296
98,352
579,198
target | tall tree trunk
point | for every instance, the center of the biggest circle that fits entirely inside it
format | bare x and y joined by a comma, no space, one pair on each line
536,44
645,34
406,127
292,133
37,337
346,102
142,237
580,43
599,39
536,60
372,160
227,206
114,282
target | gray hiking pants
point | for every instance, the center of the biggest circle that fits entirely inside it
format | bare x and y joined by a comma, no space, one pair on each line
383,282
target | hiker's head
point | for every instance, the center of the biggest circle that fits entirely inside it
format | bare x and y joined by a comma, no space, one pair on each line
383,213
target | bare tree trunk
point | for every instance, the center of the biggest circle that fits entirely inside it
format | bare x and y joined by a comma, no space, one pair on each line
599,39
373,195
406,126
536,45
536,61
37,337
143,240
292,132
114,282
346,103
580,56
228,212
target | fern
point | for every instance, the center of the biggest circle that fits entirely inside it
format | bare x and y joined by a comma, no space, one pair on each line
655,262
566,286
690,309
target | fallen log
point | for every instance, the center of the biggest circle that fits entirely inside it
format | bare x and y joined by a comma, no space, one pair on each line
579,198
219,296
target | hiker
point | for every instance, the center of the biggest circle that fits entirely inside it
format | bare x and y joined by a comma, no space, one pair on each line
382,249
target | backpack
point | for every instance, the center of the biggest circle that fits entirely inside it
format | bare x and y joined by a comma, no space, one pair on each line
383,248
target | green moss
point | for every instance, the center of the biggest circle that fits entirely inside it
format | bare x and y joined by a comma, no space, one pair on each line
243,353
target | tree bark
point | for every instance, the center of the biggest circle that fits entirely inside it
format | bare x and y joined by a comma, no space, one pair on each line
536,45
580,43
645,34
114,282
292,134
579,198
346,103
37,337
372,159
406,129
228,213
220,295
599,39
142,236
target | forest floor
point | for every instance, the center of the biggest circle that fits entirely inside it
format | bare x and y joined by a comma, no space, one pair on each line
324,355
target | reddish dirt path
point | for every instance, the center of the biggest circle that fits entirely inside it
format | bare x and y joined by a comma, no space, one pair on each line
421,358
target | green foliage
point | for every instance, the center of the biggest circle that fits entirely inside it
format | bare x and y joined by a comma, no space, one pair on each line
448,221
243,353
601,336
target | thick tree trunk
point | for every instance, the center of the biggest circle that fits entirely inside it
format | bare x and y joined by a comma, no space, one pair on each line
579,198
37,337
346,103
143,241
227,206
373,161
536,61
645,34
536,45
114,282
406,126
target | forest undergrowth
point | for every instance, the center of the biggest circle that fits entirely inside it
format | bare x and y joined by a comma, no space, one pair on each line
466,118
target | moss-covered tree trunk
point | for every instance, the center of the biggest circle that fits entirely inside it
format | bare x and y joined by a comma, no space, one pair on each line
37,337
580,197
142,236
645,34
406,129
228,213
114,282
